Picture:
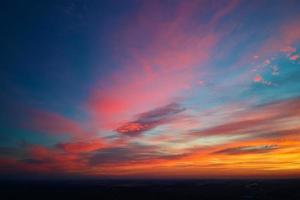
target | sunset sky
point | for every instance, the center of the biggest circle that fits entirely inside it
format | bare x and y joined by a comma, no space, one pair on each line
150,89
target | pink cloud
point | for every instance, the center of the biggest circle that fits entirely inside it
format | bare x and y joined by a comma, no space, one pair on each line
294,57
288,50
44,159
52,123
162,69
288,34
260,79
257,120
257,79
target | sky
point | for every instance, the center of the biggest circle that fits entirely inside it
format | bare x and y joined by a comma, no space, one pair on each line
150,89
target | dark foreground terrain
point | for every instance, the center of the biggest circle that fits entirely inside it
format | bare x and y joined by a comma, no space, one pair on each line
152,189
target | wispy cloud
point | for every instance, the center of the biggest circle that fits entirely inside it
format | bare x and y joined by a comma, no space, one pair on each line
82,147
247,149
258,119
151,119
52,123
163,60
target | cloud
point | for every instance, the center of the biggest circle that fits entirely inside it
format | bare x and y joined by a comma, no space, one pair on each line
257,79
288,50
7,152
283,41
121,155
151,119
130,155
52,123
163,58
294,57
258,119
51,160
260,79
247,150
81,146
34,161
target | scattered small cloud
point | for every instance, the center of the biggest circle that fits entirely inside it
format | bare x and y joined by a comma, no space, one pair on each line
267,62
294,57
257,79
288,50
260,79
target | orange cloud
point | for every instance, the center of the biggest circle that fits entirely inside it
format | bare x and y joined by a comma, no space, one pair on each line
132,127
82,147
150,119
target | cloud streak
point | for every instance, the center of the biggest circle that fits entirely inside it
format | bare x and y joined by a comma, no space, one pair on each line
247,150
52,123
151,119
